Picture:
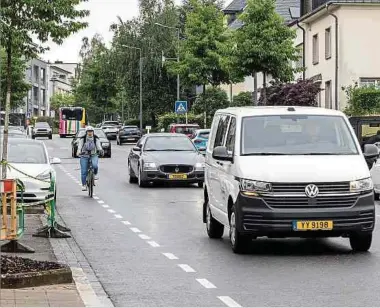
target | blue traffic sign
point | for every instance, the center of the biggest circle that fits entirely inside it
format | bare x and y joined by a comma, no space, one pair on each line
180,107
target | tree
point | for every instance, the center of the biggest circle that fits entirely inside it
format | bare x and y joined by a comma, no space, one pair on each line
264,43
301,93
362,100
242,99
61,100
24,19
19,86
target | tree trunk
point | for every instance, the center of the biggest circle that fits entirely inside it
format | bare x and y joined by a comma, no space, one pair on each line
205,113
265,88
255,89
7,108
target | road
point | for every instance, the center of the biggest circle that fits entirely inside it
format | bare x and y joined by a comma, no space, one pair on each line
148,247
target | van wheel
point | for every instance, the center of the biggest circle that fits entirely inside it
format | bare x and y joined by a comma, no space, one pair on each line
214,228
239,242
361,243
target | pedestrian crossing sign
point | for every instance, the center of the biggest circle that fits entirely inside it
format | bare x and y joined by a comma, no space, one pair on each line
180,107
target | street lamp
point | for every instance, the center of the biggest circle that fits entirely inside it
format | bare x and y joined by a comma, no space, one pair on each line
140,66
177,29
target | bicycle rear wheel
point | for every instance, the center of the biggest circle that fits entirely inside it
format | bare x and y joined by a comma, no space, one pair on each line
90,183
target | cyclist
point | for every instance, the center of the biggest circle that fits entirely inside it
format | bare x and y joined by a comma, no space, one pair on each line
88,147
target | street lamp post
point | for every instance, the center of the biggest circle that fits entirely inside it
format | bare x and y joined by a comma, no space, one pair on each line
178,40
140,69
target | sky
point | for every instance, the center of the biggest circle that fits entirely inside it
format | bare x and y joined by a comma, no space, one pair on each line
102,14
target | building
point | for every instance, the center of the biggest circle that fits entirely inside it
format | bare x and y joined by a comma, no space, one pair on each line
340,50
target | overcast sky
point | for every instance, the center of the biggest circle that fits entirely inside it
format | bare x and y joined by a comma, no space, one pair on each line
102,14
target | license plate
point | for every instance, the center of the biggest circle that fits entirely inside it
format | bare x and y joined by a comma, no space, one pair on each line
130,139
312,225
177,176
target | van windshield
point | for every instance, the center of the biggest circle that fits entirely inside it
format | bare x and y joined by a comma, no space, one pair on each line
296,135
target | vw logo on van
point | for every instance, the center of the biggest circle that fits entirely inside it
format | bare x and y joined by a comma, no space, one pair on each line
311,190
176,169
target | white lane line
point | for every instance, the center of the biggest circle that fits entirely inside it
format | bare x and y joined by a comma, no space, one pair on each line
105,205
153,244
126,222
111,211
170,256
144,237
118,216
100,201
207,284
228,301
135,230
96,198
186,268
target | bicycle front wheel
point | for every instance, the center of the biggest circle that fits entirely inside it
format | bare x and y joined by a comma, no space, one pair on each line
90,183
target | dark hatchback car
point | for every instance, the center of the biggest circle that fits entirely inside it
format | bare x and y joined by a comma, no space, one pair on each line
128,133
165,157
42,129
106,144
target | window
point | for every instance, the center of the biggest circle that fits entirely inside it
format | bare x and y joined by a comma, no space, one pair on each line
299,63
43,75
318,99
35,95
367,82
214,126
35,73
221,132
315,49
43,97
230,141
328,43
328,95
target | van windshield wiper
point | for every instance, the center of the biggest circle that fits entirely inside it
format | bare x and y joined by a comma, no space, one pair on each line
324,153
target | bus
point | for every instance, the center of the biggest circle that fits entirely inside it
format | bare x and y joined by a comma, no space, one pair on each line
71,119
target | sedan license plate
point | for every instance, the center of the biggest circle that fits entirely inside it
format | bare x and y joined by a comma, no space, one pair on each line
312,225
130,139
177,176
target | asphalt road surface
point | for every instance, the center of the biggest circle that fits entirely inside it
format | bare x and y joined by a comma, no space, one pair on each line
149,247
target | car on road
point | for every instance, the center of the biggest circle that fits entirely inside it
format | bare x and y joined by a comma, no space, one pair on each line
128,133
30,157
42,129
287,172
111,128
106,144
165,157
187,129
200,139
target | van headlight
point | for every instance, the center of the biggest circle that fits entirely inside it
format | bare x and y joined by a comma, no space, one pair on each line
45,176
251,188
150,167
200,166
361,185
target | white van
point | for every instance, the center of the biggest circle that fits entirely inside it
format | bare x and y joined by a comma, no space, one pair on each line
287,172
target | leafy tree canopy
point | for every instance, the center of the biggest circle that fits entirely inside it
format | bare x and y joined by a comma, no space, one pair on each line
242,99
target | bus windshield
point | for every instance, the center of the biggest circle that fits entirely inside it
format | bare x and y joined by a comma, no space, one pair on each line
75,114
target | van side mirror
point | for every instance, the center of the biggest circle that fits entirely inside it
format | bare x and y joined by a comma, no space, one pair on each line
136,149
221,153
371,151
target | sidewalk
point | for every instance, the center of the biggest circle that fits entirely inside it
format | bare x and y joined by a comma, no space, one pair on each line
63,295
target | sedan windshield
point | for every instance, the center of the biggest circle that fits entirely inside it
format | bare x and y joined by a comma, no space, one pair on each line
26,153
100,133
42,124
169,143
297,135
187,130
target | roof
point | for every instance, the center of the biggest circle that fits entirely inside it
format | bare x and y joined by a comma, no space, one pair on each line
278,110
165,135
60,68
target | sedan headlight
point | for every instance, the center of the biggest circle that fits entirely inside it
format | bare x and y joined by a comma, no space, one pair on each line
105,144
250,187
45,176
200,166
150,167
361,185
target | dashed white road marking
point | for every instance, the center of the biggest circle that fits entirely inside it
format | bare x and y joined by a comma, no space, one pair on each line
136,230
118,216
96,198
126,222
205,283
228,301
153,244
170,256
144,237
186,268
111,211
100,201
105,205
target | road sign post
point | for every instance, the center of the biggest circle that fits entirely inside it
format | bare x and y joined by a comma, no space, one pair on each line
180,107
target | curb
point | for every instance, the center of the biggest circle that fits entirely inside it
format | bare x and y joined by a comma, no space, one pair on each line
36,279
39,209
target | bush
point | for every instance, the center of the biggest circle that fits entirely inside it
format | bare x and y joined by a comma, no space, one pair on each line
132,122
169,118
362,100
242,99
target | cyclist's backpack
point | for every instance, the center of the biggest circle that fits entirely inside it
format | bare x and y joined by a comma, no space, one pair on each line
84,139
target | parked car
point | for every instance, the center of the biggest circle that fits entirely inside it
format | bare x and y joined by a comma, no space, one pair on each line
200,139
106,144
128,133
31,157
165,157
187,129
287,172
42,129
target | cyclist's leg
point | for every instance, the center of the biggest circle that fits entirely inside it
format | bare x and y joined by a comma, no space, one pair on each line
95,163
83,169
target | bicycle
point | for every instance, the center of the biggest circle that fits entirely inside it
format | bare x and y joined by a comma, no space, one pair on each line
90,179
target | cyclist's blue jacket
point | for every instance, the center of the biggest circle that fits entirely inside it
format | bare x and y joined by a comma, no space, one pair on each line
85,142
